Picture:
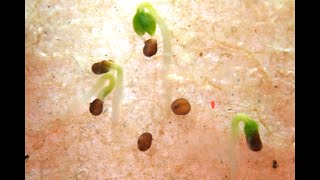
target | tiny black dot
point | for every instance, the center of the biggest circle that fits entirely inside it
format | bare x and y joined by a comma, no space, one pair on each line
274,164
26,157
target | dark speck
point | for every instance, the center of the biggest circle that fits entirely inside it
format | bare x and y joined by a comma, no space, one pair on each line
275,86
26,157
274,164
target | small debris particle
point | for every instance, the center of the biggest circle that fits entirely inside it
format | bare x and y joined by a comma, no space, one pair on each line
200,54
212,104
144,141
274,164
26,157
275,86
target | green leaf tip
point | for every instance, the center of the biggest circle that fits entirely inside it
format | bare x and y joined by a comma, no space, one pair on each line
250,126
143,20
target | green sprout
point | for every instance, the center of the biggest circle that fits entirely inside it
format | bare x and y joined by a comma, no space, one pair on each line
106,90
103,68
251,131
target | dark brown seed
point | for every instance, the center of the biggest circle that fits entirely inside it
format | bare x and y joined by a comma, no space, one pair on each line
96,107
100,67
144,141
181,106
274,164
150,47
254,142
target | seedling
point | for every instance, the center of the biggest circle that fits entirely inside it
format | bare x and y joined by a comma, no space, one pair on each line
145,21
96,106
251,131
103,68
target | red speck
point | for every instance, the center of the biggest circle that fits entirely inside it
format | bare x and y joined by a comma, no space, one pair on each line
212,104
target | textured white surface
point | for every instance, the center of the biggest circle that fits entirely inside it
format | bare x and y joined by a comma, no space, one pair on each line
238,53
